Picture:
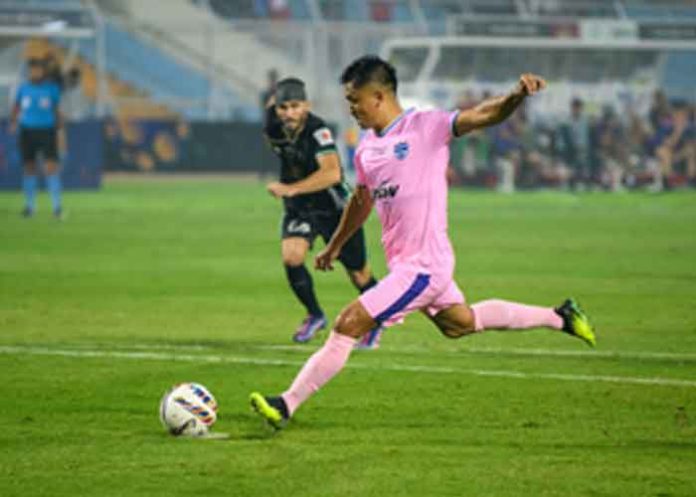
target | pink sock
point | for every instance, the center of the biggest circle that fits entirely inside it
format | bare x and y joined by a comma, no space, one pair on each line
501,315
319,369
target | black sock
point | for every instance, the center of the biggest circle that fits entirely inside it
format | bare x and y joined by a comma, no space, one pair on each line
368,285
279,403
301,283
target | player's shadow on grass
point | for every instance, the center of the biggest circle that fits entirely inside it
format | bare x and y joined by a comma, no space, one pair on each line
249,427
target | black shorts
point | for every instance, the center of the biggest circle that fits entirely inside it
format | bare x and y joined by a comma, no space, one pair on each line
35,141
309,225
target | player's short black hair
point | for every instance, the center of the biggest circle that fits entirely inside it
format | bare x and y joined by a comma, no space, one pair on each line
369,69
290,89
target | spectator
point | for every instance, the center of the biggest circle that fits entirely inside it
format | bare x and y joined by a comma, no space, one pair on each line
637,136
575,143
613,150
539,166
507,152
678,147
659,109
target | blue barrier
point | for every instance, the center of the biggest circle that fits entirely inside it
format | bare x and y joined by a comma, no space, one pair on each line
81,167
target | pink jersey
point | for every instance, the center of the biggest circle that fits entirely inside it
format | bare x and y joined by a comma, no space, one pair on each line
405,169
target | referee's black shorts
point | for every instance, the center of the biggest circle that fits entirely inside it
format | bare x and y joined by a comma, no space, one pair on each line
309,225
33,141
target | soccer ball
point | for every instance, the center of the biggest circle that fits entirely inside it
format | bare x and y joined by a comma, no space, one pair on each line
188,409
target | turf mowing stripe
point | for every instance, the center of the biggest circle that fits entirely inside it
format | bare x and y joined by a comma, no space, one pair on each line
158,356
602,354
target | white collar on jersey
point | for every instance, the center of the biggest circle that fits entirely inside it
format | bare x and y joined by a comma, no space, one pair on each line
396,120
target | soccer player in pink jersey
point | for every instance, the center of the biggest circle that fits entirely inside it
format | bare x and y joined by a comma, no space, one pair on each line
401,166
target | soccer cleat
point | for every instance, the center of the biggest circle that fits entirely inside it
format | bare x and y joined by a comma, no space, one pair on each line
272,409
59,214
27,212
370,340
575,322
309,327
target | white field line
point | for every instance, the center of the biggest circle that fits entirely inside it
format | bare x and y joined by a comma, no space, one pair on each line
160,356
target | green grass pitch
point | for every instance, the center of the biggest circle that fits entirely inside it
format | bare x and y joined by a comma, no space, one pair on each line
150,283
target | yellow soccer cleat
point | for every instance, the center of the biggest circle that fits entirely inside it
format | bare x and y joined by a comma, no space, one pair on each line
272,409
576,323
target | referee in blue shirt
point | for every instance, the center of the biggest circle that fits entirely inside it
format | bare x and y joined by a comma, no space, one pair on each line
40,122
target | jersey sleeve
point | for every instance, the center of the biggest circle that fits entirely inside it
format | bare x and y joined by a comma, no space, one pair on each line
440,125
359,171
323,141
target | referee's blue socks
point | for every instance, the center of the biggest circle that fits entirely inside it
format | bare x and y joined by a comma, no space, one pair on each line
53,185
29,185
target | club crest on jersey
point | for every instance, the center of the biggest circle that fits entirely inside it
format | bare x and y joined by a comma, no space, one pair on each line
401,150
323,136
385,191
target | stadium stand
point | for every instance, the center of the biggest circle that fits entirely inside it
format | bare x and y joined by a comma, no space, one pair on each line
163,79
128,102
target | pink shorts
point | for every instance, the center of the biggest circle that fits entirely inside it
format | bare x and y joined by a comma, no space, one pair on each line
405,290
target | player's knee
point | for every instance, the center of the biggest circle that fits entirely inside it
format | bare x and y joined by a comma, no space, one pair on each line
458,329
293,258
345,322
351,322
30,168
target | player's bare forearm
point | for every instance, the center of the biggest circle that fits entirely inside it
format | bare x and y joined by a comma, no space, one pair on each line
495,110
328,174
354,216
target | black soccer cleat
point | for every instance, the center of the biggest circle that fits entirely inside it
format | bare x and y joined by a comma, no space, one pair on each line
575,322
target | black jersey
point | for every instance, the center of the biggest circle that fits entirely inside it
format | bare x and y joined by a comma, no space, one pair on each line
298,159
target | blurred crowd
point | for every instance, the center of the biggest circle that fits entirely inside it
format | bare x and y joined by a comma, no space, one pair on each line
611,152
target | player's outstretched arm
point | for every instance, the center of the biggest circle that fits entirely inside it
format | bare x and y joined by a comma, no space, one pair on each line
328,174
497,109
354,216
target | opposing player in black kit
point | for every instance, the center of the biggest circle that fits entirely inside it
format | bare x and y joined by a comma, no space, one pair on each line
314,195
